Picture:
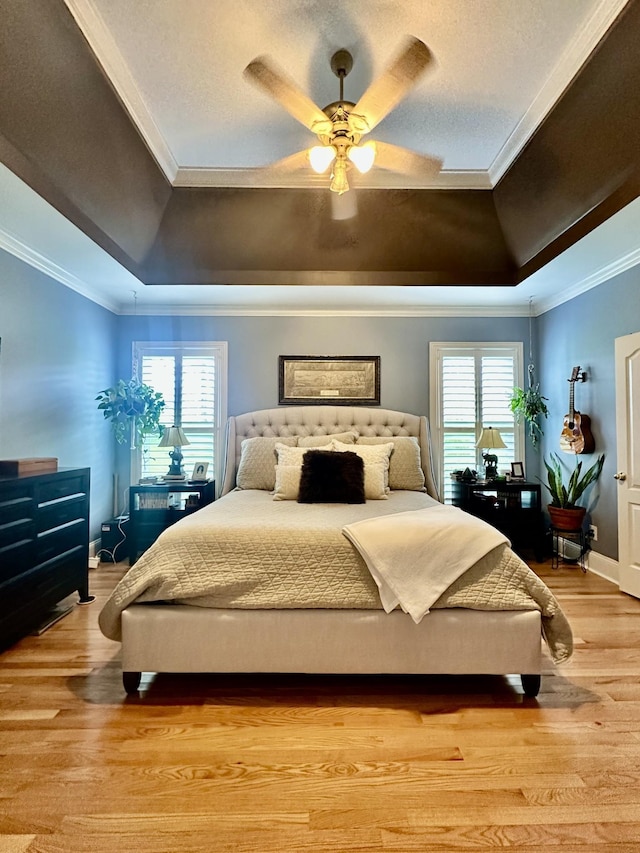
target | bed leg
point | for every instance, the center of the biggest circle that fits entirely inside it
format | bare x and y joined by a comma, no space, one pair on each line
131,681
530,685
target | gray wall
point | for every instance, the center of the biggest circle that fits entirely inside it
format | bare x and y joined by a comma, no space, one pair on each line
59,349
57,353
582,332
256,342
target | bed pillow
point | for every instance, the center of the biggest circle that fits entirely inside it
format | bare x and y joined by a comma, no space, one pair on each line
257,468
287,472
405,469
376,466
323,440
331,477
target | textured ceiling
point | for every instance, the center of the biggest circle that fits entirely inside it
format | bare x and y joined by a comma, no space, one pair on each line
499,66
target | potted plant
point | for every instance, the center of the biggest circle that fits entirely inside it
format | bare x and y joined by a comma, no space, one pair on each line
133,408
529,405
564,511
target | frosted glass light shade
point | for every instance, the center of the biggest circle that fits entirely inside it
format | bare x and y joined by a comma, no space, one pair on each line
320,157
362,156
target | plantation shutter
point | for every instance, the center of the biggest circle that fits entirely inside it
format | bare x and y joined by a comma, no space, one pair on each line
471,388
189,378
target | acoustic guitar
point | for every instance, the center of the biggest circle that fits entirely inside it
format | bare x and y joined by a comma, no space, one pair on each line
576,434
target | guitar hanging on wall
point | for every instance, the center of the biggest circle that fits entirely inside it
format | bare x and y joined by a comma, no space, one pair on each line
576,434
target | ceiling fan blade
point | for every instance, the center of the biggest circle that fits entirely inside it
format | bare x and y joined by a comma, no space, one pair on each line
263,74
389,89
344,205
292,163
407,162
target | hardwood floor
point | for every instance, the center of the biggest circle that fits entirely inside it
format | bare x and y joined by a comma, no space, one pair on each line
326,764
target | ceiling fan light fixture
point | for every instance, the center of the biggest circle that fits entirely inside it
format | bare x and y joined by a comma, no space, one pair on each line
339,182
362,156
320,157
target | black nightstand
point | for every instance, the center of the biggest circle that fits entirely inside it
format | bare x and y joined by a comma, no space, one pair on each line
154,508
514,508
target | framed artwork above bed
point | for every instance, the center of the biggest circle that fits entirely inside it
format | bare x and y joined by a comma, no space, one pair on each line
329,379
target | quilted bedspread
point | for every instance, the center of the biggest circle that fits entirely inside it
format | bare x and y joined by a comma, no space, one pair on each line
248,551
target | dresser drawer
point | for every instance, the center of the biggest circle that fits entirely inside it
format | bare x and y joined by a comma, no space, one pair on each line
16,530
53,542
47,582
61,511
11,499
16,557
60,487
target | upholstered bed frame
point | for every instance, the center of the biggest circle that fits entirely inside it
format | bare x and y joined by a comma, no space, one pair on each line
180,638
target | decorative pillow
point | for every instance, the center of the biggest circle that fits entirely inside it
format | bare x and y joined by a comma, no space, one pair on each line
287,486
405,470
322,440
288,470
257,468
376,467
332,477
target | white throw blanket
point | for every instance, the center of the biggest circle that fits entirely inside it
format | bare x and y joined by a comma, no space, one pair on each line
415,556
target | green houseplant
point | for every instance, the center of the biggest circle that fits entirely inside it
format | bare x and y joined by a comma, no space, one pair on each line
133,408
564,509
529,405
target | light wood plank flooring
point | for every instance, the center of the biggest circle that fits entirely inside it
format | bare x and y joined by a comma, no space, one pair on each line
272,764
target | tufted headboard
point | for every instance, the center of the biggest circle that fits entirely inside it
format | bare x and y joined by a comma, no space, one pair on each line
323,420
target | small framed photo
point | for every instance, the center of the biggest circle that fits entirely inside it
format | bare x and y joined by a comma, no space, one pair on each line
200,471
517,471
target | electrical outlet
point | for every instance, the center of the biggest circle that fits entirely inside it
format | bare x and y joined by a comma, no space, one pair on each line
593,533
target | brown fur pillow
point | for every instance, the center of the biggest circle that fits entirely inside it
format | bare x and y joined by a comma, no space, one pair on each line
329,476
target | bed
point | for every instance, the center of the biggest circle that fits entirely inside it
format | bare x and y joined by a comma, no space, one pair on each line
275,577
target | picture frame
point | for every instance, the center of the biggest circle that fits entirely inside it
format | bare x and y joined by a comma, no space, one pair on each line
342,380
517,471
199,471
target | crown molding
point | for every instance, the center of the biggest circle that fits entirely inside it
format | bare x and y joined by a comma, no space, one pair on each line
204,310
375,179
14,246
106,52
604,273
579,50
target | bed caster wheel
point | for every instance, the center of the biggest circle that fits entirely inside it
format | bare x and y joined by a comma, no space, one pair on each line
530,685
131,682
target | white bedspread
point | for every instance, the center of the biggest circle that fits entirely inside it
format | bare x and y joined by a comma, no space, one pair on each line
415,556
248,551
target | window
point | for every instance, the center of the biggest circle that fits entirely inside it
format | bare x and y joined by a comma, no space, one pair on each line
192,378
471,385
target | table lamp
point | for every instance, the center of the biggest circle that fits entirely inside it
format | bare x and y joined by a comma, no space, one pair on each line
174,437
490,439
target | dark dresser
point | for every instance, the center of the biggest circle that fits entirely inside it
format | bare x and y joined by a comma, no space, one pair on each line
44,546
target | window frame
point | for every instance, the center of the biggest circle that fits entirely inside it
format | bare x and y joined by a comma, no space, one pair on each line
438,349
217,349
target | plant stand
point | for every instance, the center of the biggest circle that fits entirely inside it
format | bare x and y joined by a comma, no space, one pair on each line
559,539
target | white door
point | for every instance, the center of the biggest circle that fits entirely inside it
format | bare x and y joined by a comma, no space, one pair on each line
628,472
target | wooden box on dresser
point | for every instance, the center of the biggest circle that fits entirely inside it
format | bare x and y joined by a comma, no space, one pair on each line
44,546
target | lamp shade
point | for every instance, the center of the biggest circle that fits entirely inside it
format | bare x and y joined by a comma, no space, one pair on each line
173,437
490,437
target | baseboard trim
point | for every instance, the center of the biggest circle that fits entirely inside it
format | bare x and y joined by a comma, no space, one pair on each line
603,566
94,548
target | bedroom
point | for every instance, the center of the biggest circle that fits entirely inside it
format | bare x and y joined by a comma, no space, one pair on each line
59,348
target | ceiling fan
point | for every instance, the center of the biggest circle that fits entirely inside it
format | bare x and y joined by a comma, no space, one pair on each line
341,125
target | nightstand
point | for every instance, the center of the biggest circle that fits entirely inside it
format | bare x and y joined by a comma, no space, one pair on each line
514,508
154,508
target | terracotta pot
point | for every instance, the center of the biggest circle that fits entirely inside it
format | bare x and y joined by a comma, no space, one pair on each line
566,519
